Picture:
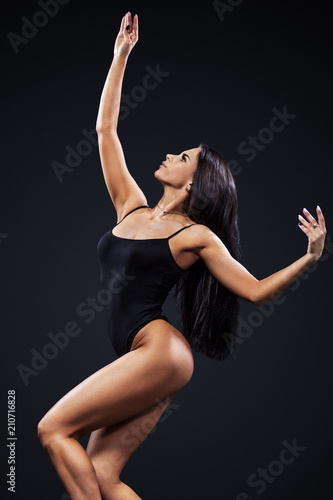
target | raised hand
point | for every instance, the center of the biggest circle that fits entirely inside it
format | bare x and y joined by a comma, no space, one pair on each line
126,39
315,231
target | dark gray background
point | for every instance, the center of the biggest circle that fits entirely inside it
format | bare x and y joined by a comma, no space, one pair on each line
225,79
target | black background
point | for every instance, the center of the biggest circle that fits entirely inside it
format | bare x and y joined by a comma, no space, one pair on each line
225,78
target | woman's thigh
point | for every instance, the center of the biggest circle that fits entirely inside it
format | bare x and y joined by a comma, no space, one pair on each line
158,366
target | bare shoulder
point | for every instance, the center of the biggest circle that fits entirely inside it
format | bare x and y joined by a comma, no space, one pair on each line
200,236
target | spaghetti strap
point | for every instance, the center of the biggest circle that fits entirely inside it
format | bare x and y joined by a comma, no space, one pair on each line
181,229
142,206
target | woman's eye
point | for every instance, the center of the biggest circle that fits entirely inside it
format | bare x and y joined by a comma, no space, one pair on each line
184,158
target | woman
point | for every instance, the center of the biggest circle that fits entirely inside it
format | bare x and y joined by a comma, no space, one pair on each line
190,238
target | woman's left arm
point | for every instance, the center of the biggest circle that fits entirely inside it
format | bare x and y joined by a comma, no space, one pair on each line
234,276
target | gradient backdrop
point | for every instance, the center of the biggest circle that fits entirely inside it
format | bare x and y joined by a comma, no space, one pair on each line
259,424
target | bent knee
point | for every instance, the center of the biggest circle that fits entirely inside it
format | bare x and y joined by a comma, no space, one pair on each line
43,431
47,432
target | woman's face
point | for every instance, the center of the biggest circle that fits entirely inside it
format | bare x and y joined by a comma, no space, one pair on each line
178,170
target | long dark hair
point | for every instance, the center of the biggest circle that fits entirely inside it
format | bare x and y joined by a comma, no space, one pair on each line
208,310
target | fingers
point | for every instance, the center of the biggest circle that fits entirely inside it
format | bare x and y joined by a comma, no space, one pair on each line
127,22
310,223
129,29
136,25
311,219
304,224
122,25
321,219
307,227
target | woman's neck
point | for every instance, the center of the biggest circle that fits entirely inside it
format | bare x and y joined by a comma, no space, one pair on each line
169,203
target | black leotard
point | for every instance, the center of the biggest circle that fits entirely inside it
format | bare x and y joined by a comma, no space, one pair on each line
136,275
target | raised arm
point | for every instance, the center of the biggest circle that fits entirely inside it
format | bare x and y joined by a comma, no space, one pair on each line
123,189
237,278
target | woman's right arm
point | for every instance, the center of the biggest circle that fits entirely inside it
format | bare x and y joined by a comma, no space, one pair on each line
124,191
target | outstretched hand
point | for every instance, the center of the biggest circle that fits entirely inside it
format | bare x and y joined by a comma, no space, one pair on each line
127,38
315,231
